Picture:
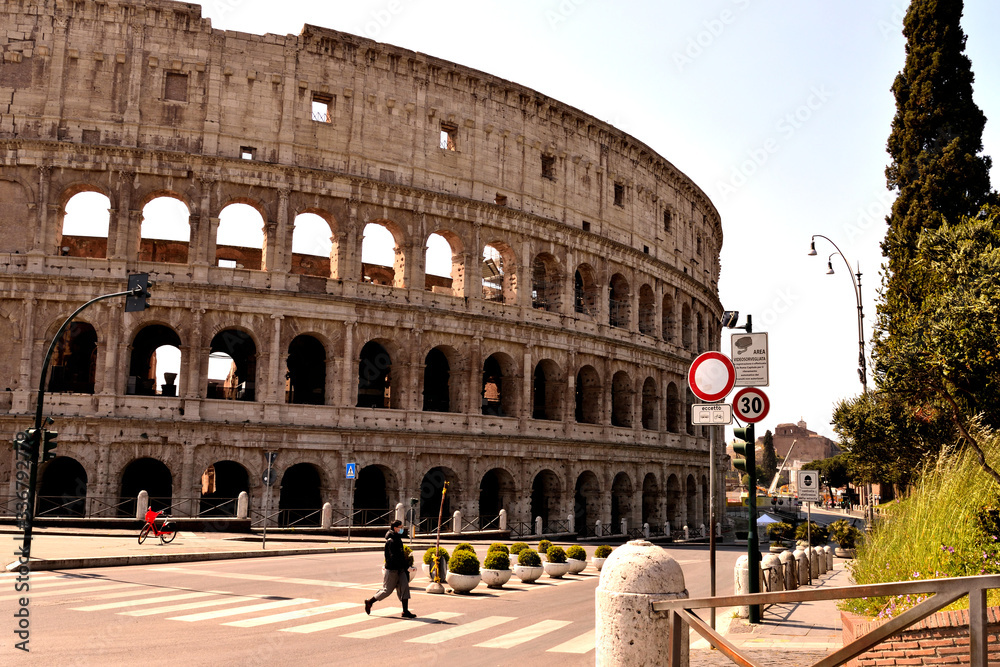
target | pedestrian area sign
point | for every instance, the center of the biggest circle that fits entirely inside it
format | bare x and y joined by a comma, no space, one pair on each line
352,471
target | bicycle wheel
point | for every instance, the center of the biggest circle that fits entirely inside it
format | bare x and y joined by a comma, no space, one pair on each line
167,538
143,533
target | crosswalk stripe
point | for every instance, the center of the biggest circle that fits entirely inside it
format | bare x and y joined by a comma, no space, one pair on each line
231,599
219,613
69,581
257,577
400,626
461,630
526,635
73,591
340,622
292,615
580,645
141,602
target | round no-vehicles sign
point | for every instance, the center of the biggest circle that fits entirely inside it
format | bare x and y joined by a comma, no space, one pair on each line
711,376
751,404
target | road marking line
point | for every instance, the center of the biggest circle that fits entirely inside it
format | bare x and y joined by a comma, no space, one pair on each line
219,613
582,644
143,601
340,622
527,634
461,630
292,615
256,577
191,605
72,591
400,626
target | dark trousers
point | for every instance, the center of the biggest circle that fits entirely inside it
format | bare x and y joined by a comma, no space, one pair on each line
398,580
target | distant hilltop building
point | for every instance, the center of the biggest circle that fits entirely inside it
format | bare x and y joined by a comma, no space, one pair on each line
809,445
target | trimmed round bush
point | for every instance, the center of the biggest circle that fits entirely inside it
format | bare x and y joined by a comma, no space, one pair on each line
555,555
576,552
516,548
602,551
464,546
408,552
498,546
497,560
543,546
464,562
429,555
529,557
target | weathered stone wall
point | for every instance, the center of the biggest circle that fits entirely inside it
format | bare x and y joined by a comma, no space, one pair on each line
143,100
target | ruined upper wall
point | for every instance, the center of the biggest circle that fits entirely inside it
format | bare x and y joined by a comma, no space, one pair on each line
156,76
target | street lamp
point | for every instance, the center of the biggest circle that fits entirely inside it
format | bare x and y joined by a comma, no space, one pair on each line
862,371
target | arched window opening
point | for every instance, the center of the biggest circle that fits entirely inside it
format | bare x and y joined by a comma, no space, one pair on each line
546,283
700,334
381,256
221,485
673,406
498,394
155,363
85,226
62,488
444,270
618,302
687,412
305,377
374,492
588,396
587,504
165,233
151,476
668,319
621,503
585,291
239,241
374,377
691,496
545,491
496,492
232,366
312,245
686,333
493,275
651,503
674,498
431,500
546,391
647,311
621,400
73,366
649,404
437,382
300,502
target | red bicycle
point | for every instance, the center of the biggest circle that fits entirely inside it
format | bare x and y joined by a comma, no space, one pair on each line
166,532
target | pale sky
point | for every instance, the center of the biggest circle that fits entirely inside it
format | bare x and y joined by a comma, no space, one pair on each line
779,111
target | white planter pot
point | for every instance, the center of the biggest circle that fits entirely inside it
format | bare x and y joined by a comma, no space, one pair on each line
495,578
576,566
598,563
427,570
528,574
556,570
843,553
462,583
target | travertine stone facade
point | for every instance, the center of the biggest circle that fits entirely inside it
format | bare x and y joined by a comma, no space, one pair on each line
548,381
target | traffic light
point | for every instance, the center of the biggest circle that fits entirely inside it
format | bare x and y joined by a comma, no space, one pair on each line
49,447
744,446
138,284
31,441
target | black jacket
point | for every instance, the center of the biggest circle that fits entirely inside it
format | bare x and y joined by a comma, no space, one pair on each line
395,559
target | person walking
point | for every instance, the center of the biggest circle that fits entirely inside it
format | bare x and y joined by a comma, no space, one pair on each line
397,575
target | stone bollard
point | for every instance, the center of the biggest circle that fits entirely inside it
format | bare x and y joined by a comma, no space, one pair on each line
503,519
645,530
821,559
624,526
741,580
141,505
701,530
538,525
400,512
772,573
687,532
802,566
666,529
718,530
628,632
829,557
813,562
571,522
597,528
242,505
326,516
456,522
788,570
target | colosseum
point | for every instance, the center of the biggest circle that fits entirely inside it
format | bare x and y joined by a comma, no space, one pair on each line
397,262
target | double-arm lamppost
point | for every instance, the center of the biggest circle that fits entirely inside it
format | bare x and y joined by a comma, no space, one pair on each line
862,370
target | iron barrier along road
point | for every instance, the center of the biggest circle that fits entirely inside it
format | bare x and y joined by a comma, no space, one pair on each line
945,591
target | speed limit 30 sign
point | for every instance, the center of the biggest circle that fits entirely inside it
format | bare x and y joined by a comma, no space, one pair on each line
751,405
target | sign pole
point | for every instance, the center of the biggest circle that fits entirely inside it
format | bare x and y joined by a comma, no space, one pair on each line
267,508
713,490
350,513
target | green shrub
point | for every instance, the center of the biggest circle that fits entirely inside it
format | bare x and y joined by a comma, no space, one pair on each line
779,531
464,546
498,546
408,552
818,532
517,546
602,551
576,552
844,534
464,561
497,560
429,555
528,557
555,555
543,546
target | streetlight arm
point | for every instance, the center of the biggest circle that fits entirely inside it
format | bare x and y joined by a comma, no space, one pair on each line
856,285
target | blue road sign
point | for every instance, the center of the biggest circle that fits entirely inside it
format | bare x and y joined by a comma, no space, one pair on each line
352,471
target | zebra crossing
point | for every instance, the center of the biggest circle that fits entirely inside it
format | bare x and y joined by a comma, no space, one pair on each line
302,615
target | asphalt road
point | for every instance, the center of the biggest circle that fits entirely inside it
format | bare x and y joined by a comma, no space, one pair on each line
308,610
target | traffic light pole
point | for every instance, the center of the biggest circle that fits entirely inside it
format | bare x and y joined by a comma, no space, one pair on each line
36,441
753,547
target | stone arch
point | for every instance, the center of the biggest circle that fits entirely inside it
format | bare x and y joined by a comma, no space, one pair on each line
706,503
305,376
62,488
497,491
688,406
673,408
375,377
149,475
651,502
650,405
546,283
454,282
73,366
621,502
686,333
691,499
240,238
674,503
647,310
588,395
239,383
619,305
376,491
380,264
312,244
441,386
547,389
585,290
668,319
152,345
499,387
587,504
546,489
621,399
221,484
699,333
300,498
165,232
499,273
430,496
86,222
